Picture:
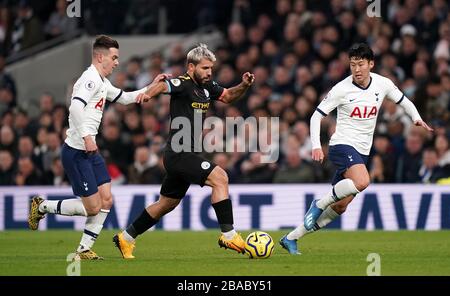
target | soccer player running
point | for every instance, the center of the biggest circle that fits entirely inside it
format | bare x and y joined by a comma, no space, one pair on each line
191,95
358,99
82,163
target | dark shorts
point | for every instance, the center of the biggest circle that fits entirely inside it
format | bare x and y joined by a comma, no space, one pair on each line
86,172
343,157
184,169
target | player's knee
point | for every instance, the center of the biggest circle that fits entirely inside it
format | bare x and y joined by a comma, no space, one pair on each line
93,210
362,183
220,177
107,202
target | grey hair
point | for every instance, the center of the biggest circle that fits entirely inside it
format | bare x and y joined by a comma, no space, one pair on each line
195,55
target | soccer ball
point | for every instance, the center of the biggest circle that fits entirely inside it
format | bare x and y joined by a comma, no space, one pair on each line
259,245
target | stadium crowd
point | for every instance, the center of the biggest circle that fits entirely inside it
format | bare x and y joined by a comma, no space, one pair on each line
297,50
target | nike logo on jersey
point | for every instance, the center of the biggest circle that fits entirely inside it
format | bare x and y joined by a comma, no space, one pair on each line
351,100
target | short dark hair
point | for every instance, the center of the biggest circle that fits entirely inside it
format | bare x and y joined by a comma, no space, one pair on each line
361,51
105,42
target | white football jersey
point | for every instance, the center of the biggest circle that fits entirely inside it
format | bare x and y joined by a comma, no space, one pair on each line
92,90
357,109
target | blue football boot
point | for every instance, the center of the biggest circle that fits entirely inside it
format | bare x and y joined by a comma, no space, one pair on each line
289,245
312,215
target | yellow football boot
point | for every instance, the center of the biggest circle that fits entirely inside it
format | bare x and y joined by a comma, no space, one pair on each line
35,216
125,247
236,243
88,255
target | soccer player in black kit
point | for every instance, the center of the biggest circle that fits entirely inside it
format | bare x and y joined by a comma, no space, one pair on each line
191,95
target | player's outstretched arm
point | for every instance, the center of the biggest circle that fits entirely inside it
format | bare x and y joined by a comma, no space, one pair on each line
411,110
235,93
137,96
158,86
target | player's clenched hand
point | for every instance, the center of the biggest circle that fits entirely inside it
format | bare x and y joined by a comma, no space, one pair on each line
423,124
248,78
89,144
317,155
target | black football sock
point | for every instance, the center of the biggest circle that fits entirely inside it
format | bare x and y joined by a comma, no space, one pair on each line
224,213
141,224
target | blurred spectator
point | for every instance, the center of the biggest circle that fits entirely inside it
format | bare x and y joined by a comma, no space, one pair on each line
5,28
6,168
53,150
297,50
442,150
56,176
46,102
429,167
26,149
7,81
295,170
145,168
142,17
27,174
8,139
60,118
59,23
409,163
27,30
384,152
253,171
119,151
22,123
114,171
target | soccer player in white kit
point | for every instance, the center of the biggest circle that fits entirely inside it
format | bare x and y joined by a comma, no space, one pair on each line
82,163
358,99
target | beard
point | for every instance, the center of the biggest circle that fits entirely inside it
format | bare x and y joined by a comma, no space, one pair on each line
200,80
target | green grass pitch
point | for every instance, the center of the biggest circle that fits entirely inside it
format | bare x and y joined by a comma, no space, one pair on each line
197,253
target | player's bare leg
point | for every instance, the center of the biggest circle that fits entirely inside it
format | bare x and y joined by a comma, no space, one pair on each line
94,224
89,207
125,240
221,203
360,177
356,179
66,207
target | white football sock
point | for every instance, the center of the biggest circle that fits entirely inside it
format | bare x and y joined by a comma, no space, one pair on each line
298,232
325,218
229,234
128,237
66,207
342,189
94,225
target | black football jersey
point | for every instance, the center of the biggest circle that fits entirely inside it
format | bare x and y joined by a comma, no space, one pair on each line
189,103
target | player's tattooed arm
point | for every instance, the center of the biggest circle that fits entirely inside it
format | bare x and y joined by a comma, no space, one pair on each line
235,93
